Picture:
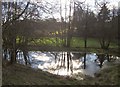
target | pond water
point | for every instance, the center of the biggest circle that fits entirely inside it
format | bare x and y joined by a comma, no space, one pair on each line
57,63
46,61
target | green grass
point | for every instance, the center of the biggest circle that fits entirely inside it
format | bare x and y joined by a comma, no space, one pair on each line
79,42
47,41
113,45
93,43
75,42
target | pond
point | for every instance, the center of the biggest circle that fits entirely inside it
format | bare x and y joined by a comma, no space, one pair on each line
58,62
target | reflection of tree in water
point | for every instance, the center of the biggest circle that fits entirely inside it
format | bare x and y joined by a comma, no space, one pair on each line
65,61
55,54
101,58
77,55
67,58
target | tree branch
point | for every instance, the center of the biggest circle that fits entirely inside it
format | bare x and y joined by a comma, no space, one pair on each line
17,16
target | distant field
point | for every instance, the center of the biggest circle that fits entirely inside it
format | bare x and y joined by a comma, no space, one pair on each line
75,42
79,42
47,41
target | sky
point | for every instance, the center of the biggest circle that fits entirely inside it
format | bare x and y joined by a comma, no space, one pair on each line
90,3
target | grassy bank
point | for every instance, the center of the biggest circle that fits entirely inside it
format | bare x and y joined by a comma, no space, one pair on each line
23,75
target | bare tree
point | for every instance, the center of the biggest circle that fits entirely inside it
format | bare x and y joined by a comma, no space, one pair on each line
10,16
14,13
103,23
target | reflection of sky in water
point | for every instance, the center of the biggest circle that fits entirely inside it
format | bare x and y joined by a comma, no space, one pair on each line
46,62
90,57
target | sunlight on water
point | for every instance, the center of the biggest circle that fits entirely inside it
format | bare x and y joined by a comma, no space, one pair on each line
57,62
46,62
42,58
54,62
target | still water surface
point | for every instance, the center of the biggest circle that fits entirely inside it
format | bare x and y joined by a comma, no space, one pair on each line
47,61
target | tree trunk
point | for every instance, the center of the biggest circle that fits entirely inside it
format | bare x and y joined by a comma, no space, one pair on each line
5,53
71,64
64,59
25,57
13,57
85,60
101,58
108,58
67,61
13,49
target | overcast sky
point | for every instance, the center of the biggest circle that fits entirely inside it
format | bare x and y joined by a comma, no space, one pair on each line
91,4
